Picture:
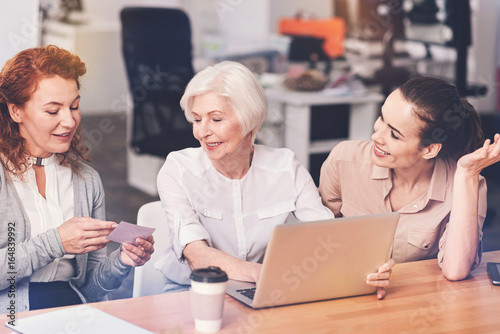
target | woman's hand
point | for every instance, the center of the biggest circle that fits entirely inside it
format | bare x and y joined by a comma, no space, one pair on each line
254,271
380,279
482,157
135,256
81,235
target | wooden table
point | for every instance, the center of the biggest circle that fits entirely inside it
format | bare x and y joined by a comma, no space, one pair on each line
420,300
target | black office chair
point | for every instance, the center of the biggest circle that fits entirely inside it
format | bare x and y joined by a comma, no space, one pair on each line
157,49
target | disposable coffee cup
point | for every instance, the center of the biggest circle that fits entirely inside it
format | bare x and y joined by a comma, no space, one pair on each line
208,287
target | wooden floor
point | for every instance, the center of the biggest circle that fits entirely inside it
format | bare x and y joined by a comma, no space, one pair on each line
106,137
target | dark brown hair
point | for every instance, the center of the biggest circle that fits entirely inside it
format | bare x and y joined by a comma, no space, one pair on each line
19,80
448,119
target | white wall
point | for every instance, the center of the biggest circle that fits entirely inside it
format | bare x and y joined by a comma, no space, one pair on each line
19,27
225,26
245,24
109,10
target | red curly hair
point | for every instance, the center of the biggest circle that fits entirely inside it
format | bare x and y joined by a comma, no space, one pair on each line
19,80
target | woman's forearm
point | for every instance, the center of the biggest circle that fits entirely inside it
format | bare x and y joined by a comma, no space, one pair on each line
28,256
460,249
200,255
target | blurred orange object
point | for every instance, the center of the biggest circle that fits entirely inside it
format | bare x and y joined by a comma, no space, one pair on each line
332,30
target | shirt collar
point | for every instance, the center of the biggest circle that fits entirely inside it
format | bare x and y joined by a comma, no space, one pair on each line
437,185
380,173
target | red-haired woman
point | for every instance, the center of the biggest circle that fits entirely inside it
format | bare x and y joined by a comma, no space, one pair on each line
52,227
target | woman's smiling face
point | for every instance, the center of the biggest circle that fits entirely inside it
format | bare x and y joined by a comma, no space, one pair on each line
218,129
396,136
49,120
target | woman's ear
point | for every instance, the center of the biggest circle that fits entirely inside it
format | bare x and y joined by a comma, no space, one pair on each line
14,112
432,150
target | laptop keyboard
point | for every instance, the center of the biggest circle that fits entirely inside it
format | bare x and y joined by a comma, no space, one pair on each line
250,292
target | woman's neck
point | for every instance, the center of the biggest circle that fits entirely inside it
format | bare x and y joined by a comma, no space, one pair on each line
414,176
238,166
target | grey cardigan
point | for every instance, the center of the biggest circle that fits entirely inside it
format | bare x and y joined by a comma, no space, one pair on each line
96,274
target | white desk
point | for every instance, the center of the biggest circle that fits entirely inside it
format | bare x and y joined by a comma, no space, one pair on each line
289,114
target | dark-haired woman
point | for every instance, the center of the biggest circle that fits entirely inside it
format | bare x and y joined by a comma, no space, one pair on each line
423,161
52,227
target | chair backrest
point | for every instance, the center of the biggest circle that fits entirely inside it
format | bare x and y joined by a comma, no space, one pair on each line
157,50
148,280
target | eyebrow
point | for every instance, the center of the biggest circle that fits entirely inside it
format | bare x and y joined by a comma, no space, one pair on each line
393,128
209,113
59,103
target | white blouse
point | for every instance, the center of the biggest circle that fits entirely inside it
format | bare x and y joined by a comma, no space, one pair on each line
234,216
50,212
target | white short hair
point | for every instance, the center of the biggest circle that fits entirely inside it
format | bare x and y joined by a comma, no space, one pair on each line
238,85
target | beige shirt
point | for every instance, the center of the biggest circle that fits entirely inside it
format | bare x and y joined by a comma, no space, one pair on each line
351,184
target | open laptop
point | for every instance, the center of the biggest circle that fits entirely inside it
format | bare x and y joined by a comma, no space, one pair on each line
320,260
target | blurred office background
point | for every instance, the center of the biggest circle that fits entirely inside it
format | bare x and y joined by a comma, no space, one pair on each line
422,42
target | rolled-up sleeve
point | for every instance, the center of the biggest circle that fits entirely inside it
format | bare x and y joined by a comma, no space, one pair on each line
182,219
